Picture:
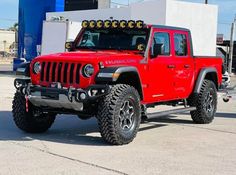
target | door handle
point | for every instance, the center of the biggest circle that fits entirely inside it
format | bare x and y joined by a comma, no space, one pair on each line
171,66
186,66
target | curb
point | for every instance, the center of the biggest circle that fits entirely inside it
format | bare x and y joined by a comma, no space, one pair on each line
7,73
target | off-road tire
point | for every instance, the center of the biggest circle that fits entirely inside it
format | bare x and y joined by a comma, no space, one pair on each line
109,110
26,121
201,115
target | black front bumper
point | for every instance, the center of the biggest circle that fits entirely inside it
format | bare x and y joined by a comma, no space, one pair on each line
57,97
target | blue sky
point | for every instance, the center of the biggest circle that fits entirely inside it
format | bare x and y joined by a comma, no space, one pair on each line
227,10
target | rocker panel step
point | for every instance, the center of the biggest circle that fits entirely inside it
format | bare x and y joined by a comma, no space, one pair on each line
175,111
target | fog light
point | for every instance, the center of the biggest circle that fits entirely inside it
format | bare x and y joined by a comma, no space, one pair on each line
23,91
82,96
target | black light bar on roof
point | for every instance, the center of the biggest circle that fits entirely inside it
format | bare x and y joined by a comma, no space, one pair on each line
131,24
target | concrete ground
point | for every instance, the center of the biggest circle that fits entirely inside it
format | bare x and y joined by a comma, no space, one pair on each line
171,145
6,64
6,67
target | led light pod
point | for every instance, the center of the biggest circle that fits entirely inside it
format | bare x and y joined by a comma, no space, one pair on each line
123,24
139,24
141,47
107,24
115,23
85,24
99,24
131,24
92,24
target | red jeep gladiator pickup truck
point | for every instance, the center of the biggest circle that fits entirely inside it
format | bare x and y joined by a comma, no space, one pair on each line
114,71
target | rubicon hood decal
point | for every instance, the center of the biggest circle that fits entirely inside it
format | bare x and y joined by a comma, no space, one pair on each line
121,61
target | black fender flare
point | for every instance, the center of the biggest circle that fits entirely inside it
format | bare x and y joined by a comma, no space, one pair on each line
202,76
23,69
110,75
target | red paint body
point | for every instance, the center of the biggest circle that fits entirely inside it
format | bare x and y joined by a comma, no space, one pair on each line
159,82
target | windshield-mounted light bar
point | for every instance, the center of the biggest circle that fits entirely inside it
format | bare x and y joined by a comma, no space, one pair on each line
131,24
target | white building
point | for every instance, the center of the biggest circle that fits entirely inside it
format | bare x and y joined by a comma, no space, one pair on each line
103,4
7,38
201,19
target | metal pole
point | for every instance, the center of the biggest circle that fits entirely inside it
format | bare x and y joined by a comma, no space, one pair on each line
231,48
206,1
4,48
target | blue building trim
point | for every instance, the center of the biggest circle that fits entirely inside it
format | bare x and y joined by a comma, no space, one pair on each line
31,16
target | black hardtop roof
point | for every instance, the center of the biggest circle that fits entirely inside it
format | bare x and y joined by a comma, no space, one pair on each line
170,27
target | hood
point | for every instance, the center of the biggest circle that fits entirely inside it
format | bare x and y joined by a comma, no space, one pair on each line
107,57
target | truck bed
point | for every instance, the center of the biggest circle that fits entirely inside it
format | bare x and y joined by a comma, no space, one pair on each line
206,61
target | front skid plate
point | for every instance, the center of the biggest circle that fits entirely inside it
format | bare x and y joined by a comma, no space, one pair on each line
36,99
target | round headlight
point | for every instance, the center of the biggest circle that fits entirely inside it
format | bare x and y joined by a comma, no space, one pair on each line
88,70
37,68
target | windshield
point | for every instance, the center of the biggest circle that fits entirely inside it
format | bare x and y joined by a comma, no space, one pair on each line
114,39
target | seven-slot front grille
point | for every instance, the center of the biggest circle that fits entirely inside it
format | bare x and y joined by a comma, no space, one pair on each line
67,73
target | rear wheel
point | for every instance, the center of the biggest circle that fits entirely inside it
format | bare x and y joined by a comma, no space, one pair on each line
206,103
119,115
32,121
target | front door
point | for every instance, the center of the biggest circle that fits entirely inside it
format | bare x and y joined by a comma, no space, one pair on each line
161,68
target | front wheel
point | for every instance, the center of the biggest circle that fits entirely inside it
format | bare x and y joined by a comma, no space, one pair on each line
31,121
206,103
119,115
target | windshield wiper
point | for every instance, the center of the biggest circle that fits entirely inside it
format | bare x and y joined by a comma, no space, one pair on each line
87,47
119,49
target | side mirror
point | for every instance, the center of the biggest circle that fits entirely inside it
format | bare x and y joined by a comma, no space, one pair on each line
156,50
69,45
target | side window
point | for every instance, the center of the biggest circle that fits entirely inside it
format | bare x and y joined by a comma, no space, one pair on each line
180,45
162,41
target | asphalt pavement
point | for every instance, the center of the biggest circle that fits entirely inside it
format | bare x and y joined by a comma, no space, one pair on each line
169,145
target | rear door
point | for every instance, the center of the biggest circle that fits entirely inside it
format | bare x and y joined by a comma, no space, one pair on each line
184,65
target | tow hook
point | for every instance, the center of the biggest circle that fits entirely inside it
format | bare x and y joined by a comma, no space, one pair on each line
70,95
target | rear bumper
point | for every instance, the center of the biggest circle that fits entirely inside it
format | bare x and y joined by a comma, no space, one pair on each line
57,97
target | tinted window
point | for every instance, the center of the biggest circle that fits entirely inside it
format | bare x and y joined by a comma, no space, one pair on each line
163,40
180,45
113,39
